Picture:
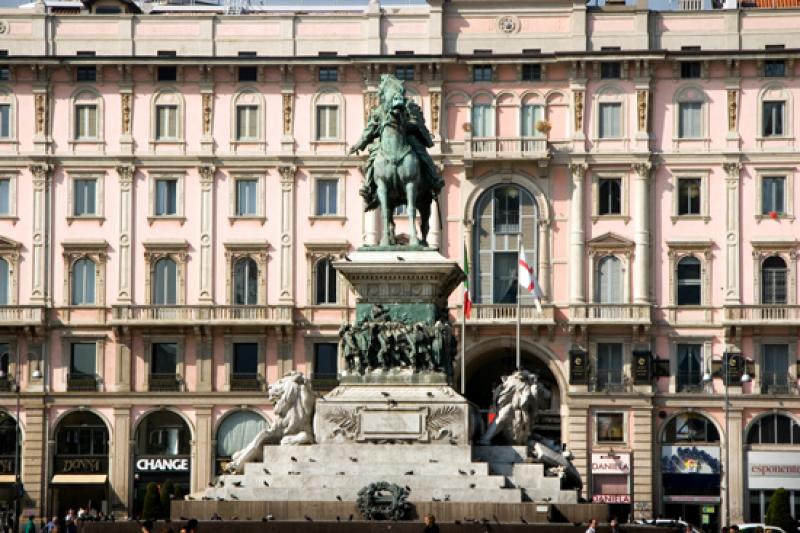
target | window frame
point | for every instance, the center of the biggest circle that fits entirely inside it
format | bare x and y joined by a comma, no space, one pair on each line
171,249
248,96
788,192
10,252
327,74
531,67
153,178
86,96
478,73
316,250
255,250
8,97
99,356
624,176
609,94
765,69
233,195
11,176
596,426
336,283
313,365
786,250
180,364
261,363
624,363
701,250
706,357
96,251
775,91
258,288
686,174
99,197
341,183
758,362
328,96
610,75
167,96
699,66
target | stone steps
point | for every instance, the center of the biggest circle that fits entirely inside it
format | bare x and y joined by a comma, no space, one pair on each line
365,452
332,481
326,494
371,468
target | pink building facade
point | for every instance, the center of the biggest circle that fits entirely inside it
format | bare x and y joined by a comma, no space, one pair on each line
174,185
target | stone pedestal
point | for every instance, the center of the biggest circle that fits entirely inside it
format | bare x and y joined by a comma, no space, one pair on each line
386,413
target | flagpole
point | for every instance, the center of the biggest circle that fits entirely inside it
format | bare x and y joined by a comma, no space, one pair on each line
463,341
519,250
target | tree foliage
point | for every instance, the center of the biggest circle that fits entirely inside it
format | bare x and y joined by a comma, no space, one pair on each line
166,492
151,510
778,513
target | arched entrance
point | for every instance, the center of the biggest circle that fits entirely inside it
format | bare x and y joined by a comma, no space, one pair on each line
80,469
235,432
10,451
162,452
484,373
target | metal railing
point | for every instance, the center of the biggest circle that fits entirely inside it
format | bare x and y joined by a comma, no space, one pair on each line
245,382
81,383
164,383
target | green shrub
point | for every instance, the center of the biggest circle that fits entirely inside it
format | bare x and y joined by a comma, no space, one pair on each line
778,513
151,510
166,492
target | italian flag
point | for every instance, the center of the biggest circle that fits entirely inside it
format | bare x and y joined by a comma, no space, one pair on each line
467,299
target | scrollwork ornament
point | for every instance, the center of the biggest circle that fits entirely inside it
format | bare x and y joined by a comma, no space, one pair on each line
207,100
126,113
435,109
578,97
508,24
578,170
732,109
288,99
642,98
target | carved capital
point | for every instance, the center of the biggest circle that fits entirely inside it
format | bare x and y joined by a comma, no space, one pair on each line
40,171
642,168
578,170
732,169
287,173
207,172
125,173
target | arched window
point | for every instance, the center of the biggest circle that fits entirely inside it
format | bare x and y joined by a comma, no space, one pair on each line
609,281
531,113
5,283
773,281
245,282
247,116
774,429
328,110
165,282
325,278
235,432
83,282
87,111
690,113
483,116
690,427
167,116
689,281
503,214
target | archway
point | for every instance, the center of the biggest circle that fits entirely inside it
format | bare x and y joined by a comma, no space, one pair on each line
236,431
10,452
162,452
484,373
80,470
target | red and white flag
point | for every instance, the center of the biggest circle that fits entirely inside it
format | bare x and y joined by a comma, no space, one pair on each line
527,280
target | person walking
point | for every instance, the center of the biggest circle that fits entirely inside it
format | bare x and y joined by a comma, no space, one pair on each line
30,527
592,526
430,524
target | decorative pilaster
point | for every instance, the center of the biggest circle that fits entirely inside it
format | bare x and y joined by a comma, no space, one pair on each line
577,235
122,367
545,269
121,457
125,174
206,233
204,455
578,95
126,110
732,237
287,107
734,464
641,231
207,139
287,233
40,173
205,359
41,99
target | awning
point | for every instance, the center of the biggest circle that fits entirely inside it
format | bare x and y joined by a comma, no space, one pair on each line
63,479
7,478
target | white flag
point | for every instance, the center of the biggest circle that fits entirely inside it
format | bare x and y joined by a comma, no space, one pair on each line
527,280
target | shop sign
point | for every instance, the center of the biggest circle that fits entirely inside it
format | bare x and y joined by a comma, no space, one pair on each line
611,463
80,465
642,370
611,498
162,464
772,470
690,460
578,374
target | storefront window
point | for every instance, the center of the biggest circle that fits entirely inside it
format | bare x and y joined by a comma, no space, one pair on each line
610,427
235,432
690,427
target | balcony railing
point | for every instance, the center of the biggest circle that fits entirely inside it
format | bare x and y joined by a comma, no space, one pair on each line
611,382
779,315
610,313
164,383
81,383
507,314
245,382
506,147
218,314
21,315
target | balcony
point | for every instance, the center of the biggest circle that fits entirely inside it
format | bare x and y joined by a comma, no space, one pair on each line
513,148
506,314
245,382
610,314
81,383
762,315
164,383
181,315
21,315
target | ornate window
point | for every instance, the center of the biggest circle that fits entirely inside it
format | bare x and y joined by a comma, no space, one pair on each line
611,255
85,263
247,117
87,116
690,196
775,193
328,110
774,112
691,110
166,122
610,113
166,272
483,116
608,289
775,428
9,258
690,267
247,279
85,197
503,214
532,113
166,196
8,196
245,363
327,196
774,268
8,124
325,286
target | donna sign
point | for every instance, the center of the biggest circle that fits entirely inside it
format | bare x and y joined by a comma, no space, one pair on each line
162,464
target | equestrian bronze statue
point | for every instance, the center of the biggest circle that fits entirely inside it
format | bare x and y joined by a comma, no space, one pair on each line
399,170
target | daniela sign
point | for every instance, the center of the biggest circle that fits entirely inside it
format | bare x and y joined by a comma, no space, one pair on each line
611,498
603,463
162,464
